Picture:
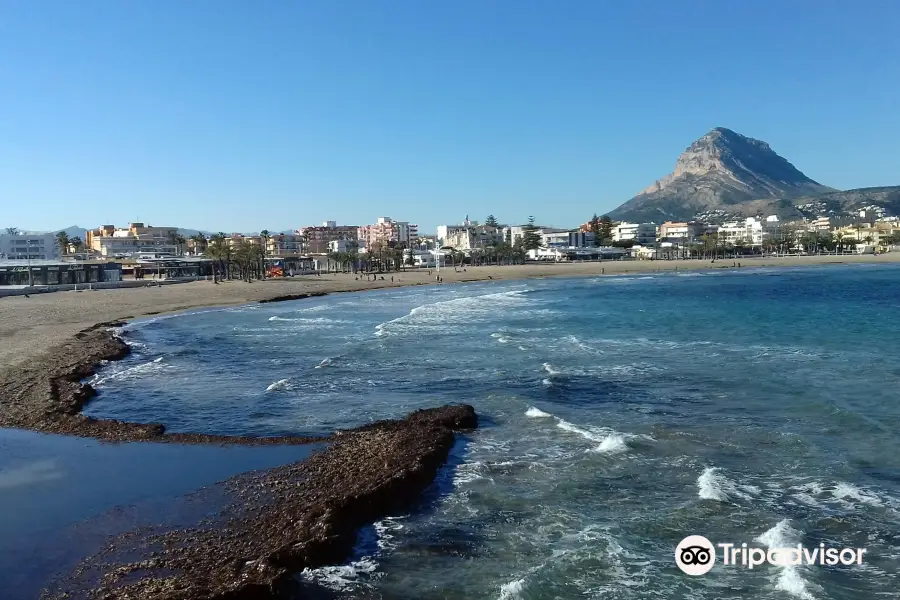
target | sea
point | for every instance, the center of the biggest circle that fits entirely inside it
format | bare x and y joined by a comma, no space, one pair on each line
619,414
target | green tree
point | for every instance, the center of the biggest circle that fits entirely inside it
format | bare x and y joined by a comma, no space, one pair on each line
605,230
491,221
264,237
12,231
62,241
531,239
595,229
221,253
200,242
77,243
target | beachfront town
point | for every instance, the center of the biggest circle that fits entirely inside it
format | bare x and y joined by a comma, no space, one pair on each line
110,254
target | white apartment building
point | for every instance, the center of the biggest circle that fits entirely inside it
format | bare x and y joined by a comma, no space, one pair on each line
819,224
748,232
472,237
641,233
285,244
445,231
346,246
553,235
29,246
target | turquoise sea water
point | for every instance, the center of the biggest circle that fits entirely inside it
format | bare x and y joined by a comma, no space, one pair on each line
620,414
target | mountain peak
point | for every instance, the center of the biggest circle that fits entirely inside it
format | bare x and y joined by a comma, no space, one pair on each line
722,168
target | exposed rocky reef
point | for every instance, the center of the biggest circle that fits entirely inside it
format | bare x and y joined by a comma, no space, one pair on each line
280,521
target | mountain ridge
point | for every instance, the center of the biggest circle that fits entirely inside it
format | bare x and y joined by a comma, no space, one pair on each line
729,173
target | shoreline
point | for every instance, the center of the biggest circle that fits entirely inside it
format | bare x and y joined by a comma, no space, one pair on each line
43,390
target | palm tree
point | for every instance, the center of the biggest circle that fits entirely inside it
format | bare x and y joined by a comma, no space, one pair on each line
180,241
264,238
62,240
200,242
12,231
77,244
219,250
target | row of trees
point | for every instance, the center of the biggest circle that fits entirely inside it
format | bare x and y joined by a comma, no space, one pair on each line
243,260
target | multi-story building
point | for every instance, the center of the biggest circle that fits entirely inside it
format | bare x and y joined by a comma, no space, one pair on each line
285,244
445,231
108,240
387,232
748,232
479,236
678,232
346,246
317,239
29,246
581,239
552,235
820,224
640,233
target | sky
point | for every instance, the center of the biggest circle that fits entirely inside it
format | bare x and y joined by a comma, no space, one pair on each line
240,116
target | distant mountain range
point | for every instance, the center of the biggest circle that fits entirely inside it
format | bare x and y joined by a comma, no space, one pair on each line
725,174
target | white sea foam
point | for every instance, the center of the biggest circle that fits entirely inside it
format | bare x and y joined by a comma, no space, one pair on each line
310,320
468,472
536,413
789,579
457,311
278,385
546,381
386,530
714,485
500,338
341,577
612,444
325,362
549,368
852,494
607,440
512,590
129,373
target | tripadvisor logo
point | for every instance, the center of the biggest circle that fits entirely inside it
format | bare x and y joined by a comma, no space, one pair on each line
696,555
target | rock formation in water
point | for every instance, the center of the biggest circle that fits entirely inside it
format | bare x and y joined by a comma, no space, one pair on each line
280,521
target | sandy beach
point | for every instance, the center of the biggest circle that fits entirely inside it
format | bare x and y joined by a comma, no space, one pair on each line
31,326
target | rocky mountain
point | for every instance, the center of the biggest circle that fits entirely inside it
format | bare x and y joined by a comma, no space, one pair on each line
719,172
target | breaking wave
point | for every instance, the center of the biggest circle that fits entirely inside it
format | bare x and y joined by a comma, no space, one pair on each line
459,311
278,385
714,485
788,580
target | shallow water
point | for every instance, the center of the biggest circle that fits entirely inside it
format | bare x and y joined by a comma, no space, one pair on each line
620,415
61,496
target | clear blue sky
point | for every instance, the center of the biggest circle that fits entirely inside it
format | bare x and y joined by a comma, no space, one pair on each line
225,115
